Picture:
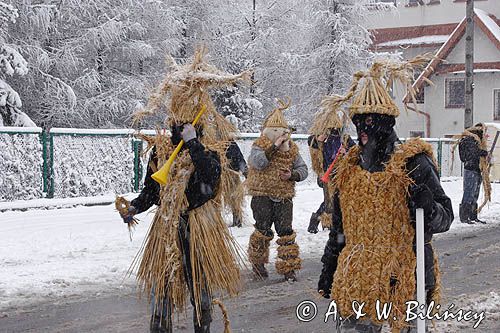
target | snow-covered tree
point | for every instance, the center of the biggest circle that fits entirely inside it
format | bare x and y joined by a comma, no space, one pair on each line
11,63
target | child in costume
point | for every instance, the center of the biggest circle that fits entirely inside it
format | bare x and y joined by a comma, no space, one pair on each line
188,249
275,165
379,184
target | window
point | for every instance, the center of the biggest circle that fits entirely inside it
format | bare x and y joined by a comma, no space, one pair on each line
454,93
496,104
417,134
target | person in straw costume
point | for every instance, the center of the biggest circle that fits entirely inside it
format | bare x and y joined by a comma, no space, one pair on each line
188,248
275,165
228,131
370,254
326,144
473,153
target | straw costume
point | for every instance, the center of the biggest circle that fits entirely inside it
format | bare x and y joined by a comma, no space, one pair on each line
188,247
325,141
369,255
275,165
228,132
474,154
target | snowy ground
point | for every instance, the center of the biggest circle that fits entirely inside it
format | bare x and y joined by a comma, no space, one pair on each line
47,254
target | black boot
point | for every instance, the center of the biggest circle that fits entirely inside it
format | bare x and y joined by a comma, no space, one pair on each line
159,324
236,221
313,223
260,271
465,213
473,215
203,326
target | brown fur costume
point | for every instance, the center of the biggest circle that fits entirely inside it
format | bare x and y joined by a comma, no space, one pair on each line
379,235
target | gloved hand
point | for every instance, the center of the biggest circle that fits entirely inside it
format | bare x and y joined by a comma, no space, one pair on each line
422,197
188,132
129,217
484,153
325,285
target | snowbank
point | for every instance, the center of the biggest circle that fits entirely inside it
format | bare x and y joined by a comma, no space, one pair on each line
86,250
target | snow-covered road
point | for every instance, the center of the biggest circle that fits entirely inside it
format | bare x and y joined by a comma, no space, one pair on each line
87,250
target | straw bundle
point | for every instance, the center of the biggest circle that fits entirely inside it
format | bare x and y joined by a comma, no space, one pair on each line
276,117
122,205
379,235
227,327
215,255
187,86
373,96
258,248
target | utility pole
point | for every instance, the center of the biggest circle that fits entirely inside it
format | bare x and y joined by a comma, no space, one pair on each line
469,65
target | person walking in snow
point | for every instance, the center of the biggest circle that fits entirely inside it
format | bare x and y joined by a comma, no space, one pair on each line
471,148
325,145
275,165
379,184
188,250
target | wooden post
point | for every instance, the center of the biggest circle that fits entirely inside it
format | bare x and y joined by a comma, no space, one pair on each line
469,65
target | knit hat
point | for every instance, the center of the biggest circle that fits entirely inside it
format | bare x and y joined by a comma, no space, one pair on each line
276,117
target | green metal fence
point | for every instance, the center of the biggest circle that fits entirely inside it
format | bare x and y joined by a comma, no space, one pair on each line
61,147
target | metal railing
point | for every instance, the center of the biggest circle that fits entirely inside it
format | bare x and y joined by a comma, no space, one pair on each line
73,162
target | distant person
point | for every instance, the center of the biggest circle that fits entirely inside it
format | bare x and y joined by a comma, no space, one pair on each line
471,149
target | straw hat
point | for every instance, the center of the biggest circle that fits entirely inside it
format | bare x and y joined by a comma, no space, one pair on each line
276,118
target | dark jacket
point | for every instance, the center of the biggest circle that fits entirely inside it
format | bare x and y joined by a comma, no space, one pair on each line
439,220
330,147
236,160
470,153
202,184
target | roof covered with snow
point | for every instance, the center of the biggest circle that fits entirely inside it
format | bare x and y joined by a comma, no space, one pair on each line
422,40
487,25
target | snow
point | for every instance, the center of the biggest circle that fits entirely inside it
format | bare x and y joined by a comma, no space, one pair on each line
56,203
496,125
481,70
90,131
489,22
422,40
15,129
87,251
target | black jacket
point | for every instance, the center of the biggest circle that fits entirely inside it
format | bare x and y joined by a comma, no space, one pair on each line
439,220
202,185
470,153
236,160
